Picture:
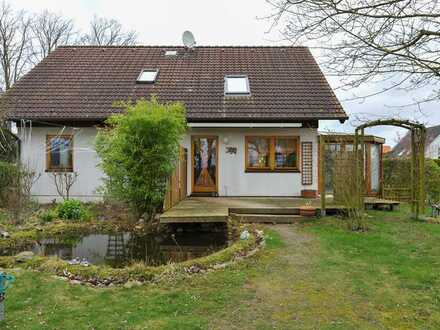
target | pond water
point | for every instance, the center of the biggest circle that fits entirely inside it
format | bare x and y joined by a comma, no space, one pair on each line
121,249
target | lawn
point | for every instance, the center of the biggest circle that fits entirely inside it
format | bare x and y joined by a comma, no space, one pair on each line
313,275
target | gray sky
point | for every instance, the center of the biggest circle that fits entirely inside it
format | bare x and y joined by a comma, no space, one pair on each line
230,22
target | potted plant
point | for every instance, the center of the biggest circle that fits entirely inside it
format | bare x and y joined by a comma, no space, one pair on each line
307,210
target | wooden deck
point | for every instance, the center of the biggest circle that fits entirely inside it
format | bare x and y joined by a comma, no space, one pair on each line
218,209
380,203
253,209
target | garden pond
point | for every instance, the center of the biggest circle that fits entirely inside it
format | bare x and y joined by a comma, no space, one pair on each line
124,248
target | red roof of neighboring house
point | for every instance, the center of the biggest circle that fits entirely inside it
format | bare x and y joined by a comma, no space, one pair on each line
386,149
81,83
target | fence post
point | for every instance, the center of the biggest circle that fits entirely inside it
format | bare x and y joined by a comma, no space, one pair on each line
413,168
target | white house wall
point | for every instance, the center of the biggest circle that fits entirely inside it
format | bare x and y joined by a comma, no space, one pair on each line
85,160
433,149
234,181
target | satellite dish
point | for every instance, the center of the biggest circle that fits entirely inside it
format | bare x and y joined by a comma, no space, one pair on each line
188,39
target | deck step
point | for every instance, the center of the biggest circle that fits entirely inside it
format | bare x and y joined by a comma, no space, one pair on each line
267,218
265,210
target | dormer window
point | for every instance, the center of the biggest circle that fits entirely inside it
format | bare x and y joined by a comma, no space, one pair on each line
147,76
237,85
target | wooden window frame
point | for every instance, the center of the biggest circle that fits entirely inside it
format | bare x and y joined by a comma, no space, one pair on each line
50,168
272,143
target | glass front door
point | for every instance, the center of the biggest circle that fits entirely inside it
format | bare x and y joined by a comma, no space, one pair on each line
204,163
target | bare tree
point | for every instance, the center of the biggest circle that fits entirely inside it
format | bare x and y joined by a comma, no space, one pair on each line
15,40
63,182
50,30
108,32
369,40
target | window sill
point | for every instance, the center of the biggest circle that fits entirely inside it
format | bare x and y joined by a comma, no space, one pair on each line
59,170
249,170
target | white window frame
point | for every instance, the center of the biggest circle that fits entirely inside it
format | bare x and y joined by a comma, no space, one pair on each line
139,81
171,53
248,87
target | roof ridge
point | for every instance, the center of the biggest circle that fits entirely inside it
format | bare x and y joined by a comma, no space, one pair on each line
177,46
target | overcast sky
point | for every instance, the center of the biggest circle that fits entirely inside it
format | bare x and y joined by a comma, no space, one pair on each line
229,22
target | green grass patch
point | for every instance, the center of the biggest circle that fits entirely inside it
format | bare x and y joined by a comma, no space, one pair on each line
273,239
394,265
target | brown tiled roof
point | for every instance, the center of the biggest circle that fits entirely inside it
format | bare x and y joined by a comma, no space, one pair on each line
81,83
403,148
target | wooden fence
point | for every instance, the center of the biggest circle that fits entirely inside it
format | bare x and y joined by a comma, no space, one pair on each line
177,186
402,194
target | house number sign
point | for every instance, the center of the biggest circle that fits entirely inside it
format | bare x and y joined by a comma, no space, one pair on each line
231,150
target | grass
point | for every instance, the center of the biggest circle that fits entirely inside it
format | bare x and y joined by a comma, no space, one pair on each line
312,275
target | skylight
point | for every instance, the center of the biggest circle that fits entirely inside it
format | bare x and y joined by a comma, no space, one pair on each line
147,76
237,85
171,53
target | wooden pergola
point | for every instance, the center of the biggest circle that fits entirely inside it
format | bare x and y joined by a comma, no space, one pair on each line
417,177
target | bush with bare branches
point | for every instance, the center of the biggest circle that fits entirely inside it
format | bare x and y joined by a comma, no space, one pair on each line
64,182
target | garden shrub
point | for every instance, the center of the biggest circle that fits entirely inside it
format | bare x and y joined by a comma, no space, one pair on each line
8,181
72,210
16,182
48,215
139,150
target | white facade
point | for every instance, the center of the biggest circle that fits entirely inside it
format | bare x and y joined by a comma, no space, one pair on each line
232,177
233,180
433,149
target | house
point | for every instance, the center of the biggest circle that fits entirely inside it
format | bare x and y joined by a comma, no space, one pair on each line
253,114
432,144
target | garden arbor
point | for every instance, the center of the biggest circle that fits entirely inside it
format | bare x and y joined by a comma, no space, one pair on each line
417,171
417,177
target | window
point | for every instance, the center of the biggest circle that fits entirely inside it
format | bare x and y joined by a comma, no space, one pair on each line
264,153
333,147
59,153
349,148
258,152
237,85
285,152
171,53
147,76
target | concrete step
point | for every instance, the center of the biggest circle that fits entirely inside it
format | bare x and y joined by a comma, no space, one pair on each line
267,218
265,210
